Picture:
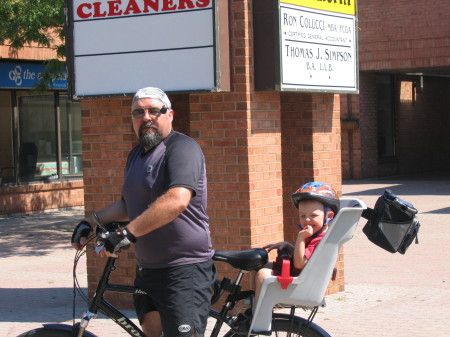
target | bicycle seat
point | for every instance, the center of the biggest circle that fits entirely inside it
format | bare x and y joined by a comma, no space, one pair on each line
248,260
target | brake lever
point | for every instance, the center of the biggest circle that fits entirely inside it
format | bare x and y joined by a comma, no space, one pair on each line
98,222
103,235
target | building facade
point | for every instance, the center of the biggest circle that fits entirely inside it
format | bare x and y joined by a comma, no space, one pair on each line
40,132
260,146
399,122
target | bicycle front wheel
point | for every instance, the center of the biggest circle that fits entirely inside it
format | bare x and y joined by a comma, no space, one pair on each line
54,330
282,326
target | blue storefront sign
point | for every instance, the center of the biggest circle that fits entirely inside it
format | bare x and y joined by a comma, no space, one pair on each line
26,76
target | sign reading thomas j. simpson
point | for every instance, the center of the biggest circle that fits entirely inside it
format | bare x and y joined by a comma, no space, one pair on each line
318,45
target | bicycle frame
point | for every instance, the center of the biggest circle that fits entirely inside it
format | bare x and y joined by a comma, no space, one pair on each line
232,288
99,303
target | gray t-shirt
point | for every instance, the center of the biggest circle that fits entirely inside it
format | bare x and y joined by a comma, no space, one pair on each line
178,161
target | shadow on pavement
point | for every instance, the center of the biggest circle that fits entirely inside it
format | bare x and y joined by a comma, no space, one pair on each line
401,185
439,211
33,235
44,305
39,305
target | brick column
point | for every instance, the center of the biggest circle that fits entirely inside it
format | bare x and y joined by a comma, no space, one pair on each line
351,136
107,139
311,152
240,135
241,143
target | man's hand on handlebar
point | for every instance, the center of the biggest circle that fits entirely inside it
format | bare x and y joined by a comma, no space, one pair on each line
115,241
112,240
80,234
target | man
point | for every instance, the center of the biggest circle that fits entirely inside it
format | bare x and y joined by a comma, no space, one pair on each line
164,196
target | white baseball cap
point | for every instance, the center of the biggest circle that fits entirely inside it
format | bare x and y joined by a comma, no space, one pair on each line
151,92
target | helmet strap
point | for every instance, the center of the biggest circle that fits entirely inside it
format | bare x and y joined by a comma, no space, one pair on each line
325,214
325,222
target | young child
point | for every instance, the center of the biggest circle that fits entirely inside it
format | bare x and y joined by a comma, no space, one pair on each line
317,204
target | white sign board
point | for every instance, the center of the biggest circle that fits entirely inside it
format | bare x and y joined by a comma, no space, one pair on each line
120,46
318,50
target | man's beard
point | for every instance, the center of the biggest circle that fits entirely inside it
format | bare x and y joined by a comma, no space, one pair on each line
150,138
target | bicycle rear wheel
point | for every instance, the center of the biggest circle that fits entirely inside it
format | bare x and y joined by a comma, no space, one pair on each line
282,326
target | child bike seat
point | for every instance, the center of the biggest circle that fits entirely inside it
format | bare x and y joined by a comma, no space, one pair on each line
308,289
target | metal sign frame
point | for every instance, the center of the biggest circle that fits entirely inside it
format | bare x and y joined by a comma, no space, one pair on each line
318,49
117,47
299,46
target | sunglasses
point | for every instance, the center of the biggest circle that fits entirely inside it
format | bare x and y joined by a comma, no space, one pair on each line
154,112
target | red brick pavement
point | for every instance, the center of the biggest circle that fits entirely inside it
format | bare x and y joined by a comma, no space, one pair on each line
386,294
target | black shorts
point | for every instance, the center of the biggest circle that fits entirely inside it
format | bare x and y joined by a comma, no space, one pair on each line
181,295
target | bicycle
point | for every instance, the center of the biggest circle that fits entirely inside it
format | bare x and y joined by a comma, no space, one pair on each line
223,321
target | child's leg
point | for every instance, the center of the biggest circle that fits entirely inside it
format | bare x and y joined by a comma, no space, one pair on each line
259,278
243,320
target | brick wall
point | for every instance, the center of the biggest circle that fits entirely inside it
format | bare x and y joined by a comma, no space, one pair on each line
107,139
398,37
403,34
359,130
368,124
350,136
39,197
31,52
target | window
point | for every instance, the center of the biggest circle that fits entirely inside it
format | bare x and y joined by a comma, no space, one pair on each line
45,137
385,116
71,134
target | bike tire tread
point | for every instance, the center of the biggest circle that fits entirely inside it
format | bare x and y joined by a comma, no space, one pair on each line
46,332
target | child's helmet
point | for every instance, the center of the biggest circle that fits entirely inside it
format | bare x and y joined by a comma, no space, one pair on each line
317,191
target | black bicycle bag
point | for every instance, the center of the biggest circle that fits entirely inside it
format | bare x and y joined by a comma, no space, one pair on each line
392,224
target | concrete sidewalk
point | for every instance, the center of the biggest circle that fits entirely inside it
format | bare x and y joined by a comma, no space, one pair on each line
386,294
392,294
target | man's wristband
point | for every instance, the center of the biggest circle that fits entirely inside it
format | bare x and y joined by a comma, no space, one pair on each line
129,235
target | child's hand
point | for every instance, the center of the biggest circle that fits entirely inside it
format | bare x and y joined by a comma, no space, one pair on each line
306,232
